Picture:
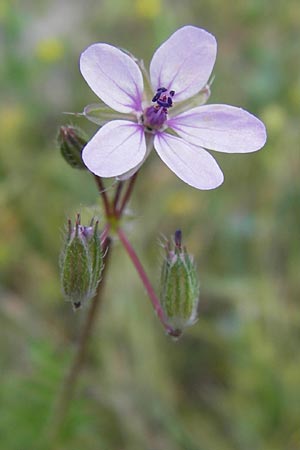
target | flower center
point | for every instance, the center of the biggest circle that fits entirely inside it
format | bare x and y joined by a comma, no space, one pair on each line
156,115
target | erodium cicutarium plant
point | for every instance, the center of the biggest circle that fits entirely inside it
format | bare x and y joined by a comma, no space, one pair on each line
163,109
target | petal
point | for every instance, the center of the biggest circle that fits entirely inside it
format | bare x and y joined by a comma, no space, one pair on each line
113,76
197,100
149,146
184,62
125,176
192,164
116,148
221,127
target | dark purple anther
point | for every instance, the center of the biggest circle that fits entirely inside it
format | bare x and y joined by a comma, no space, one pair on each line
164,104
163,97
155,116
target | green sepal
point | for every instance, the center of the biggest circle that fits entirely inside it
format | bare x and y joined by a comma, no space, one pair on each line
81,263
71,142
180,287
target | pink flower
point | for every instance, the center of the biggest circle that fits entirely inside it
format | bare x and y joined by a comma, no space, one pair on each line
166,114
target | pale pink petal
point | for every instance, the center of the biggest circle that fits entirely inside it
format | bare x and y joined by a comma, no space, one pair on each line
222,128
113,76
115,149
184,62
192,164
125,176
149,146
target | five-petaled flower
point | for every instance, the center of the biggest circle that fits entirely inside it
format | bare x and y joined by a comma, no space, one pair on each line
166,114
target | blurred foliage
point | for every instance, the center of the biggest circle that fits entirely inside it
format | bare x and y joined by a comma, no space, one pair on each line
233,381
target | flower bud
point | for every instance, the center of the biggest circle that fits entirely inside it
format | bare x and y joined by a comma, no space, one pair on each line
81,262
71,141
179,286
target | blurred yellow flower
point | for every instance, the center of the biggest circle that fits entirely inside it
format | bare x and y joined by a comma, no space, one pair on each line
50,50
148,9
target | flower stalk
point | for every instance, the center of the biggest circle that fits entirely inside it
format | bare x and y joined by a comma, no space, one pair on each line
119,211
147,284
102,192
114,216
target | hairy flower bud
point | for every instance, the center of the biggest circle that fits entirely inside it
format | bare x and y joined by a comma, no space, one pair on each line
71,141
81,262
179,286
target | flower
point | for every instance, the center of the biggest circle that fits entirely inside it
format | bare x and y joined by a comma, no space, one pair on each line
170,119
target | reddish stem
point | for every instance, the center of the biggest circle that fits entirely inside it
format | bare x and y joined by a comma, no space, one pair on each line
117,194
127,195
145,280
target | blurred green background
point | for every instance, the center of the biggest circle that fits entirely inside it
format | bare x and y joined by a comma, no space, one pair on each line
233,380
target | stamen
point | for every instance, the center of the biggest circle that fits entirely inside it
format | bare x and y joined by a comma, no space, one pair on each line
163,103
163,98
155,116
